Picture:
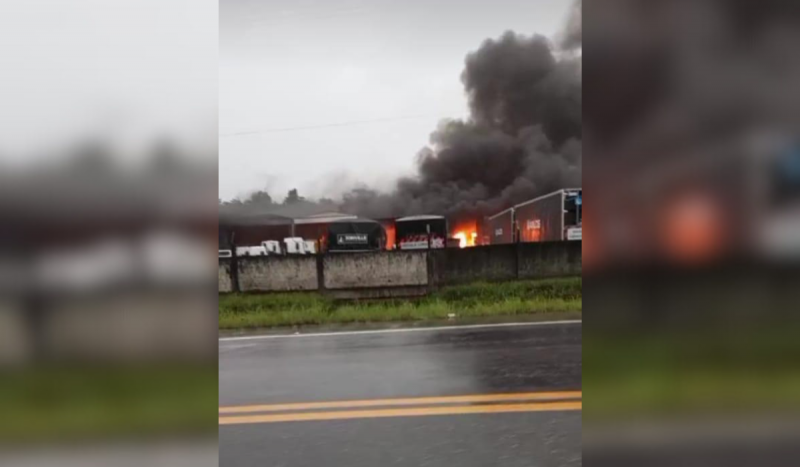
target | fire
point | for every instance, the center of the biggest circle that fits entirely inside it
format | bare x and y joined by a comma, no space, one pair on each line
462,239
467,235
693,228
391,235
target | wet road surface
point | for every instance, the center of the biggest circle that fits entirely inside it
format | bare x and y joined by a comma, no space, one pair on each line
506,396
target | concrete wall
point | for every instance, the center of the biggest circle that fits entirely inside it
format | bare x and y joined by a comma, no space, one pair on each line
136,325
225,283
15,346
549,259
269,274
491,263
384,269
396,271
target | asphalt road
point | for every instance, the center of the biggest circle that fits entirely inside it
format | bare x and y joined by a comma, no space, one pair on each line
503,396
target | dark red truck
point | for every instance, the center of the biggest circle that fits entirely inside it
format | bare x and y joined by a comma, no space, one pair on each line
555,216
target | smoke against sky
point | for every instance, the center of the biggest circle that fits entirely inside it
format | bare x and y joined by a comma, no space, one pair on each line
673,73
521,136
311,63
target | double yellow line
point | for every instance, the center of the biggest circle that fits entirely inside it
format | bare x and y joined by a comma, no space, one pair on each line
404,407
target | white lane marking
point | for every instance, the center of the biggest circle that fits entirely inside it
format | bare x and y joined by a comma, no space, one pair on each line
233,347
400,330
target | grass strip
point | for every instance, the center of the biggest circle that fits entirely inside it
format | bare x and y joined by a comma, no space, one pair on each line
240,311
705,371
62,404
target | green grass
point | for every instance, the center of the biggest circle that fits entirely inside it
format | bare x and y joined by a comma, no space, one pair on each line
660,374
239,311
60,404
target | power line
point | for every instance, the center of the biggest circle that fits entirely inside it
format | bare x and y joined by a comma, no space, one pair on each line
327,125
280,16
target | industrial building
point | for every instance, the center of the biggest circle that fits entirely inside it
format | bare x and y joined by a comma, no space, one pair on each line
253,229
555,216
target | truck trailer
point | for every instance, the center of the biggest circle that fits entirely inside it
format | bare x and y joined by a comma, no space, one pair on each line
421,232
552,217
556,216
355,235
501,228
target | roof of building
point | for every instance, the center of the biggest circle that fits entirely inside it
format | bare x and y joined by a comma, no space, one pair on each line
419,218
230,216
500,213
557,192
355,220
324,218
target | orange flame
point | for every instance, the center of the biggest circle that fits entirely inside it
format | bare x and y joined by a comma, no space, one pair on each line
693,228
462,239
391,235
466,234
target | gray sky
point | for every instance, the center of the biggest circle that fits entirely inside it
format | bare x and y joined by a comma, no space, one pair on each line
287,65
126,72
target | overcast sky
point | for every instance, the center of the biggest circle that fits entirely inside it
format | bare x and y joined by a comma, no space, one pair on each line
123,72
285,66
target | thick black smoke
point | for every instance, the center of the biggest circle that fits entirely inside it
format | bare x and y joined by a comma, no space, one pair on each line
663,74
688,102
523,137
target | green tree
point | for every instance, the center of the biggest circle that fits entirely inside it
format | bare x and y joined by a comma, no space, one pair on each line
293,197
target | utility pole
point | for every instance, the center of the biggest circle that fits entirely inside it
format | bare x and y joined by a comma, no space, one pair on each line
428,229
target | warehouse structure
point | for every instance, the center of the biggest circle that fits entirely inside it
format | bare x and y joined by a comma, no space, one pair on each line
555,216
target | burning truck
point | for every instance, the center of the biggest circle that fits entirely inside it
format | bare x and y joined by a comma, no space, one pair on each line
421,232
433,232
724,199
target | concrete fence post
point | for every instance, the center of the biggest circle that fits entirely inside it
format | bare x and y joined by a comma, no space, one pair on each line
234,272
431,270
320,257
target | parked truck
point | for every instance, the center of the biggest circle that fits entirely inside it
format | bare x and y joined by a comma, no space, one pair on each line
555,216
421,232
501,228
552,217
355,235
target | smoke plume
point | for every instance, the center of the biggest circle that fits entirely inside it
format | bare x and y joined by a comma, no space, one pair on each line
523,137
664,75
